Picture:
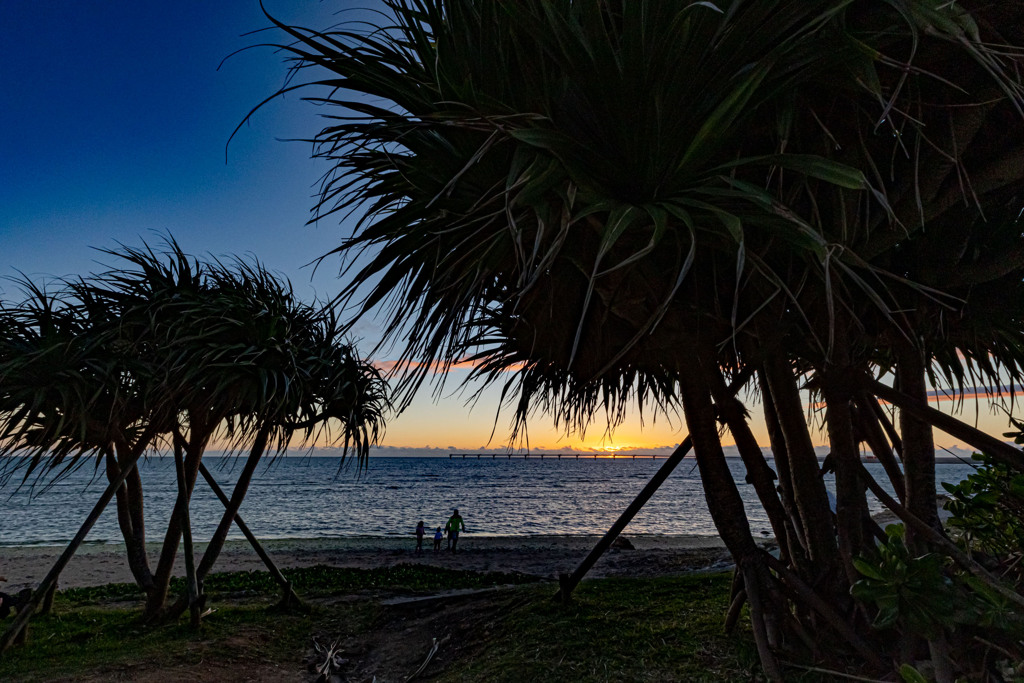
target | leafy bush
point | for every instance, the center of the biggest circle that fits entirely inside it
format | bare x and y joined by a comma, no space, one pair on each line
988,508
929,596
910,592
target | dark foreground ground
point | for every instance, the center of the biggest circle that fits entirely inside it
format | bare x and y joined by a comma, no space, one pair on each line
382,625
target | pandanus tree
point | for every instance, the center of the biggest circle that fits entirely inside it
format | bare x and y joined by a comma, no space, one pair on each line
166,351
611,203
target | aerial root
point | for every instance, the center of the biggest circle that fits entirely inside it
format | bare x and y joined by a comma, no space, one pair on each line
816,603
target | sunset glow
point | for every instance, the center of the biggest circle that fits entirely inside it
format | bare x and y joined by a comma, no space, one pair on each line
253,202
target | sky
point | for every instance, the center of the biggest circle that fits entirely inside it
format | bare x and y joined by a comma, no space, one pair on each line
115,118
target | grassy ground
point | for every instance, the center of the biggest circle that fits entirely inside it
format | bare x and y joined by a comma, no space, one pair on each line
384,621
667,629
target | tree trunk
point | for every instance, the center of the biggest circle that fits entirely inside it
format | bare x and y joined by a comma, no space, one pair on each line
195,591
194,449
874,433
827,610
727,511
288,594
569,583
808,490
851,506
572,580
237,496
135,551
760,475
918,441
136,506
216,543
50,580
782,465
885,422
1009,455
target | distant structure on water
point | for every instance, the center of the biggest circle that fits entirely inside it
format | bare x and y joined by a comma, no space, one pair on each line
569,456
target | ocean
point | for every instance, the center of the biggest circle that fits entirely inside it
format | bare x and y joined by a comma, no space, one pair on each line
311,497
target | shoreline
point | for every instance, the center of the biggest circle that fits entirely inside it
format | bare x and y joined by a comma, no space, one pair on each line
541,555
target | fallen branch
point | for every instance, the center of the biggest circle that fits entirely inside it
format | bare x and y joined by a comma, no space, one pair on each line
332,660
430,655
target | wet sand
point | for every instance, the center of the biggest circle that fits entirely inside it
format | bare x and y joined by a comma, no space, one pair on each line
545,556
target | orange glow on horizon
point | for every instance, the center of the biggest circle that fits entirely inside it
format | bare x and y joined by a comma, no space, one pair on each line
452,422
605,449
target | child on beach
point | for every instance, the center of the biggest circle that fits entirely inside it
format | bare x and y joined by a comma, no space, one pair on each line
420,531
437,539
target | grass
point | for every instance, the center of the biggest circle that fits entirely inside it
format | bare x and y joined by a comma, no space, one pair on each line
614,630
312,581
665,629
88,641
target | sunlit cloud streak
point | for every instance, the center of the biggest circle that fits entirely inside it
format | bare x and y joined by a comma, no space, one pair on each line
968,393
434,368
1002,391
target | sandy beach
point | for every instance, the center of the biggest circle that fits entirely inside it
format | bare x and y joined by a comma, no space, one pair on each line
544,556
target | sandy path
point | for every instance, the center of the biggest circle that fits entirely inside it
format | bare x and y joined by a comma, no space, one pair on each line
538,555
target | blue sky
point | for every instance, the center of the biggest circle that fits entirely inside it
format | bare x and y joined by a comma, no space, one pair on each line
114,123
114,127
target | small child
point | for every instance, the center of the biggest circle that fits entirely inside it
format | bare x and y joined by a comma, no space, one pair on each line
420,532
437,539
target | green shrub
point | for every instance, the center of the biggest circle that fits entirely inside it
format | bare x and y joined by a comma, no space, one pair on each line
988,508
912,593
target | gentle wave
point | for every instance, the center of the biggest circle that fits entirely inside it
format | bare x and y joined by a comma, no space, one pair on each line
310,498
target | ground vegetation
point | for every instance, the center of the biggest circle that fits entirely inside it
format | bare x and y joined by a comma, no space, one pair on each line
383,623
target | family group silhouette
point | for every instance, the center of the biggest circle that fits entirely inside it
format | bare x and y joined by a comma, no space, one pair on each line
453,527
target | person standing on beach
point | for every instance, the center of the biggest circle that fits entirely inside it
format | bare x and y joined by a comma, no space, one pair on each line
420,531
454,526
437,539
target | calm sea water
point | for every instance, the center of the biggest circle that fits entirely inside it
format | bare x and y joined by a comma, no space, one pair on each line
311,498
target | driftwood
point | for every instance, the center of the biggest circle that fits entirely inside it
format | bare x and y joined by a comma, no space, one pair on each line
332,661
430,655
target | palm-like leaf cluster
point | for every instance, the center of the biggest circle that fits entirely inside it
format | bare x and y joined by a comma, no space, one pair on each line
167,351
581,190
611,201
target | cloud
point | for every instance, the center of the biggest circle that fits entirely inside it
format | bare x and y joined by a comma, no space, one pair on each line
1002,391
503,451
983,392
435,368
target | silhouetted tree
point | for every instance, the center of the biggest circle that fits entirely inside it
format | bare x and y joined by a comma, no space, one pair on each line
168,352
608,203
